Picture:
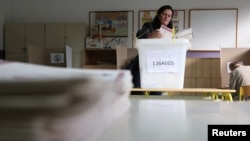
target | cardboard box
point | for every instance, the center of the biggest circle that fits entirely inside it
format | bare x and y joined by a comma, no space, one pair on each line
35,55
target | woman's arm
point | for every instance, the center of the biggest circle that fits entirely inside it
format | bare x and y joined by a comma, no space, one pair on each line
144,31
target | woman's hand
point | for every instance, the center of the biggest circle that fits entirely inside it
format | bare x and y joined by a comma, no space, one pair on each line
155,34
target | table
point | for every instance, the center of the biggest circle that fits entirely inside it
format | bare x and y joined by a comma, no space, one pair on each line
226,93
174,120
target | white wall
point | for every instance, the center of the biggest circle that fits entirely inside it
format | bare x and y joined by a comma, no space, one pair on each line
77,10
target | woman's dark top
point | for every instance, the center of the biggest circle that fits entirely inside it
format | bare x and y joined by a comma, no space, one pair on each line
134,64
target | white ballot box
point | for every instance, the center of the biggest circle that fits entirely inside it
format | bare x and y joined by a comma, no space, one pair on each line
162,62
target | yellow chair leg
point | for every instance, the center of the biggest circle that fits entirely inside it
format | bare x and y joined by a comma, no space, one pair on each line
228,97
170,93
216,95
147,93
213,96
223,97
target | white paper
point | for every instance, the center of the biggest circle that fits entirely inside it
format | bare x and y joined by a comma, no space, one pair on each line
69,58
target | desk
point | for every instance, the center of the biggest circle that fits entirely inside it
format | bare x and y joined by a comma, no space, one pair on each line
226,93
174,120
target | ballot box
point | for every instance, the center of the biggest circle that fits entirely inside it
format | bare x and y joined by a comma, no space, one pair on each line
162,62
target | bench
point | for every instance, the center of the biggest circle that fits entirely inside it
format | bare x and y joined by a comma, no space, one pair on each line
215,92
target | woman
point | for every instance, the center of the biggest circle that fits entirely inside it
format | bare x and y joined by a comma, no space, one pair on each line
151,30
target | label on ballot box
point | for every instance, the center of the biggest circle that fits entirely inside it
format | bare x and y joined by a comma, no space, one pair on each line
162,62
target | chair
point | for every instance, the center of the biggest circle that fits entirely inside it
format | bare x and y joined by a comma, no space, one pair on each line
244,92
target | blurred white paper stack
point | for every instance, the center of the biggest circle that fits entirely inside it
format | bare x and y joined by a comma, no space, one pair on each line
185,34
40,103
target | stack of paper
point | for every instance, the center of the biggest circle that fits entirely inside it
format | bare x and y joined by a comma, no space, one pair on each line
39,103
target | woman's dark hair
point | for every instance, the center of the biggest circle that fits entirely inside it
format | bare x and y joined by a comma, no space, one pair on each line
156,20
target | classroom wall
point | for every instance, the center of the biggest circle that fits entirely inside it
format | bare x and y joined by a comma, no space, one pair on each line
1,29
4,16
77,10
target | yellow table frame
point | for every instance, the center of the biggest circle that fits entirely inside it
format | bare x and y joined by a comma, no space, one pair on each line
215,92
